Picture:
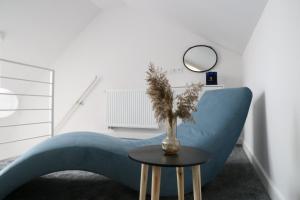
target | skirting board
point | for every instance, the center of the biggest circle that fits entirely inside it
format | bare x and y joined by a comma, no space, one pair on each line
269,185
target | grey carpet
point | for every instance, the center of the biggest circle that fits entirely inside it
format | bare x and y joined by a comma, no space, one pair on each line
238,181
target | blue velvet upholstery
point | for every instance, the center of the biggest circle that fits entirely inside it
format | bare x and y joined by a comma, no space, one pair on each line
219,120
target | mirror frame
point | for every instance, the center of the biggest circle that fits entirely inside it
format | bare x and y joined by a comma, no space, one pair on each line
201,45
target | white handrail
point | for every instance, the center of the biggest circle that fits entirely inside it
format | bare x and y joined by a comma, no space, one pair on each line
50,95
79,102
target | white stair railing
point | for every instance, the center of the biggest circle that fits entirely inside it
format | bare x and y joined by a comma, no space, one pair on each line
79,102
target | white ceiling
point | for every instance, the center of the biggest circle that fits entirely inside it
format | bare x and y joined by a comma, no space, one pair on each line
106,4
227,22
38,31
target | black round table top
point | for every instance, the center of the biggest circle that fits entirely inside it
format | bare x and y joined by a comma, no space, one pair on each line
154,155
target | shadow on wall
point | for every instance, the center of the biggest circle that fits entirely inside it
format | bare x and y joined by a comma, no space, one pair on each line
260,133
296,151
241,138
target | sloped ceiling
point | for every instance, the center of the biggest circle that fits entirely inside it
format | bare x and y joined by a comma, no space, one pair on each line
227,22
37,31
106,4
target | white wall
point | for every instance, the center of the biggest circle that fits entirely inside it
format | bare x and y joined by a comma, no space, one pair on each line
118,45
36,32
1,50
271,70
15,140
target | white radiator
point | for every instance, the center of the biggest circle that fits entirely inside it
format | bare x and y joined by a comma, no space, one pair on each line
129,109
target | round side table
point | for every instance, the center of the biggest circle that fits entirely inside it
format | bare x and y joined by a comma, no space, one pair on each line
155,157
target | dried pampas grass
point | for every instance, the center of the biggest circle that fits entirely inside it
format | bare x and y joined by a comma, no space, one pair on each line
162,97
160,93
186,102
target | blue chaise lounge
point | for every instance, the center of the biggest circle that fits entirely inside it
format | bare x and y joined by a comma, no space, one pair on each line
218,123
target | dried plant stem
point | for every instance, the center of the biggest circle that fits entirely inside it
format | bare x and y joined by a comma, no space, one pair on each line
162,97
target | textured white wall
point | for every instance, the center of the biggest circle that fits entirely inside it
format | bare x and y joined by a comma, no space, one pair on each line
118,45
271,70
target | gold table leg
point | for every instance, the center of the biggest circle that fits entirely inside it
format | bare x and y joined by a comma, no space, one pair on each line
143,183
180,182
155,190
197,182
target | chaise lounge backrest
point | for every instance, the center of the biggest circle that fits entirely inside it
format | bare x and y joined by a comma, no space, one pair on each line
218,124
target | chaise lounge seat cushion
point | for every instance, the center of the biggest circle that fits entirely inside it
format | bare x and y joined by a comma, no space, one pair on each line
218,123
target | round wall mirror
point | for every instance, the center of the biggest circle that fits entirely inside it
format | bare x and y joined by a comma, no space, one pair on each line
200,58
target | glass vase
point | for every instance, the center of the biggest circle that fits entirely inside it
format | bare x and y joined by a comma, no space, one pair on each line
171,144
